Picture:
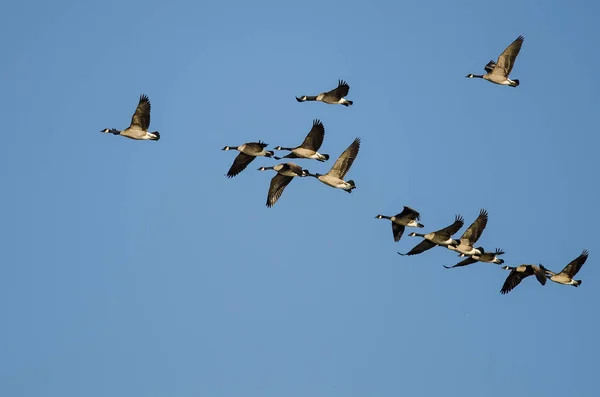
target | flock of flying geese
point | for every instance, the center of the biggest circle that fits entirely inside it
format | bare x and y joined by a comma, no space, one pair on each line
497,72
465,246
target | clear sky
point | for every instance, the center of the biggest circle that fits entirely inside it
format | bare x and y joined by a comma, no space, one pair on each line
138,269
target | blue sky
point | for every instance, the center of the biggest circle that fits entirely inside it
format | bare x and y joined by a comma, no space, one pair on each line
138,268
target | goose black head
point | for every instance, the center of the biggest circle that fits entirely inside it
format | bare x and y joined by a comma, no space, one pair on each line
111,131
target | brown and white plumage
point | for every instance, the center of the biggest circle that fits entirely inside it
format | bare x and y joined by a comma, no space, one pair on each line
332,97
335,176
498,72
487,257
566,275
466,242
408,217
285,173
140,122
309,149
441,237
248,152
518,273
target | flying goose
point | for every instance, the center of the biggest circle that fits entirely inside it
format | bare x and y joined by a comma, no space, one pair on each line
310,146
487,257
140,121
408,217
333,97
248,151
335,176
497,72
442,237
517,274
285,173
464,246
566,275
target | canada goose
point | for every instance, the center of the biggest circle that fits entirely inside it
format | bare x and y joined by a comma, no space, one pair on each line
497,72
285,173
517,274
335,176
308,149
408,217
465,245
248,152
140,121
566,275
487,257
442,237
333,97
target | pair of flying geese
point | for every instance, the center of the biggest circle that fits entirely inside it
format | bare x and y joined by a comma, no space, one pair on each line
465,246
309,149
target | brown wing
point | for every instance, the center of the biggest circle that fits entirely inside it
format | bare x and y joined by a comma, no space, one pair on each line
344,162
421,247
572,268
141,117
474,231
341,91
506,60
490,66
295,168
453,228
513,279
255,147
397,230
409,213
315,136
239,164
466,262
278,184
540,274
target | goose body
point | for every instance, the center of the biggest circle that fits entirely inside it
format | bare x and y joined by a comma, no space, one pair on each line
140,122
335,176
285,173
408,217
442,237
333,97
464,245
498,72
518,273
248,152
487,257
566,275
309,148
